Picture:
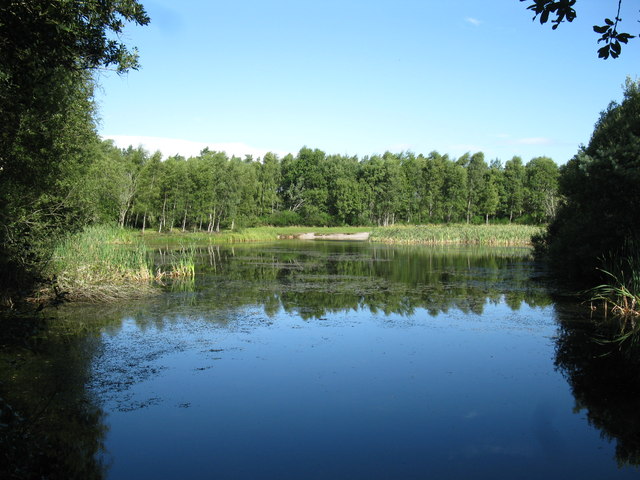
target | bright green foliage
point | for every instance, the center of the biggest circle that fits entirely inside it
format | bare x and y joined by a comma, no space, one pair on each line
476,171
47,132
212,191
454,190
489,198
514,181
505,235
433,178
541,188
598,221
269,178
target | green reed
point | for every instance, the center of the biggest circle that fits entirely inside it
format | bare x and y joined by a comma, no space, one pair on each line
498,235
105,262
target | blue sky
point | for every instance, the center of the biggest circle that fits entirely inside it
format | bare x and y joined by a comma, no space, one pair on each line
362,77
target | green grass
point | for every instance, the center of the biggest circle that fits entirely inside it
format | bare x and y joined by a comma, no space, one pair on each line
621,293
461,234
181,263
104,263
254,234
491,235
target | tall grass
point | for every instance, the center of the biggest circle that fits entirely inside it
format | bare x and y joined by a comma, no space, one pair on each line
100,263
492,235
180,263
621,292
105,262
253,234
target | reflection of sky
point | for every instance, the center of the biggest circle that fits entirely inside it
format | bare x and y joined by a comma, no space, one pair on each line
350,395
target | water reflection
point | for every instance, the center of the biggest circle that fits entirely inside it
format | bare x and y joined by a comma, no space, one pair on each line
334,277
51,426
603,370
57,380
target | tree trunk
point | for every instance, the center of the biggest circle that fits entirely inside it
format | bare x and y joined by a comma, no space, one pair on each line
164,209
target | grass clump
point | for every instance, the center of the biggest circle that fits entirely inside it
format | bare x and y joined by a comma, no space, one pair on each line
179,263
101,263
461,234
246,235
104,263
622,292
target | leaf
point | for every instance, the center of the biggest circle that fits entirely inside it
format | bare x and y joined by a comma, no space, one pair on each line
601,29
608,21
616,48
603,52
624,37
544,18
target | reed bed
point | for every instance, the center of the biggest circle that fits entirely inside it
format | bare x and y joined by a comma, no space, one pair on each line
104,263
460,234
247,235
449,234
180,263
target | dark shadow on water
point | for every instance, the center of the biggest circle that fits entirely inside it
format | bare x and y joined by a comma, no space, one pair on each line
50,425
600,359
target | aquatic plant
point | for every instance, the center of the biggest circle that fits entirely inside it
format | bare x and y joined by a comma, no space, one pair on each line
181,264
622,290
504,235
105,262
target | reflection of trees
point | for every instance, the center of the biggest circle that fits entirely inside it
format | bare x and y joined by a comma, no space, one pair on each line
603,371
333,277
51,424
313,280
50,427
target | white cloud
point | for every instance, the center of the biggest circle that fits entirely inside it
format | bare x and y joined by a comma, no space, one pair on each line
188,148
473,21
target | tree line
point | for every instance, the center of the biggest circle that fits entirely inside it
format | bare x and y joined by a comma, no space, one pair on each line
212,191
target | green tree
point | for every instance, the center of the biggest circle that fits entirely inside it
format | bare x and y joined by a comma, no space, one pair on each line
454,191
599,220
47,132
269,178
476,170
541,188
489,198
514,180
433,175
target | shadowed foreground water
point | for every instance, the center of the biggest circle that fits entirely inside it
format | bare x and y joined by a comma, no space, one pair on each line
326,361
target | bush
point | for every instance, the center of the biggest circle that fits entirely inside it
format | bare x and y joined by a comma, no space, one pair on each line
601,186
285,218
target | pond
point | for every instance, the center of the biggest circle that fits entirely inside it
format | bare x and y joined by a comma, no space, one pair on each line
326,360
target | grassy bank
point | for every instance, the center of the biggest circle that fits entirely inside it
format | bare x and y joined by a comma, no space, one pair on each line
103,263
498,235
255,234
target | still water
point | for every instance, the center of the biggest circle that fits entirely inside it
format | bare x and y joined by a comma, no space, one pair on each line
327,360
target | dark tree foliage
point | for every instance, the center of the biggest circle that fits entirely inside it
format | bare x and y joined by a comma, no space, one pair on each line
561,10
48,50
599,223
